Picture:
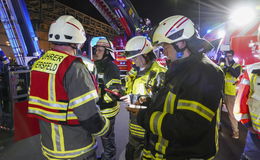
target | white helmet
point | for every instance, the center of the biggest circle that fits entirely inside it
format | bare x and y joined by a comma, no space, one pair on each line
67,29
173,29
136,46
104,42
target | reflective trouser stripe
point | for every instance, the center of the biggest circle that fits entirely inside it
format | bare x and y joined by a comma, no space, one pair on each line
69,153
57,137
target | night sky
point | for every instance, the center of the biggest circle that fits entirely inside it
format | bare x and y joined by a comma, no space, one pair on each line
208,14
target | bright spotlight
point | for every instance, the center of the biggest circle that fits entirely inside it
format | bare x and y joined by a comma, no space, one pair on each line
242,16
221,34
236,59
209,30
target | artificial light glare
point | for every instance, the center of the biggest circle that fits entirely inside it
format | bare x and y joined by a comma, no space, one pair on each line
209,30
242,16
236,59
221,34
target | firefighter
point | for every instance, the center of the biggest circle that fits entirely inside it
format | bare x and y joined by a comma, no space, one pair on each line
232,71
141,82
181,121
108,79
63,97
247,109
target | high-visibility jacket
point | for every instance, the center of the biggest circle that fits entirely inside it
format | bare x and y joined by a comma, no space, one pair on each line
48,99
137,84
108,78
62,96
182,121
231,80
246,109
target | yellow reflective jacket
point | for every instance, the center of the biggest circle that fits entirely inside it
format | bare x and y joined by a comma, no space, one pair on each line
137,83
230,81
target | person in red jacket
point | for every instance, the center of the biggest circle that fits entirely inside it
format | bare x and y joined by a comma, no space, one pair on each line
247,108
63,97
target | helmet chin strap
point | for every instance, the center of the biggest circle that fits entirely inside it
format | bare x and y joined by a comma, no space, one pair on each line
75,47
179,51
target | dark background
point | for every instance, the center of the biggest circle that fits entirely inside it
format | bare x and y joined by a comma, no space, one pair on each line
205,14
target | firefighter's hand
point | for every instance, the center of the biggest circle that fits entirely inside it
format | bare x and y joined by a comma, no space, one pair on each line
251,129
135,111
126,99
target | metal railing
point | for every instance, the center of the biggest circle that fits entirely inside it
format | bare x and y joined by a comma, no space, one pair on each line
46,11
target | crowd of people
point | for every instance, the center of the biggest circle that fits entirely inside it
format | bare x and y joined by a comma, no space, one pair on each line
174,110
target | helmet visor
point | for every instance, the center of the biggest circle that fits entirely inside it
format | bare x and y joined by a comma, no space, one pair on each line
176,35
132,54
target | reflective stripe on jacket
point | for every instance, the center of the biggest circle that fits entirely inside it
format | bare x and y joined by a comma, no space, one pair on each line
48,99
182,121
60,147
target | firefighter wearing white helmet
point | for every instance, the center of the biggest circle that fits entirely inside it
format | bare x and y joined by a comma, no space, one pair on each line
181,122
108,50
246,109
110,89
141,83
138,45
63,97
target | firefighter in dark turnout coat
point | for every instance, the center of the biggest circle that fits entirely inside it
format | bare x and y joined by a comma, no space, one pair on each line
108,79
181,121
